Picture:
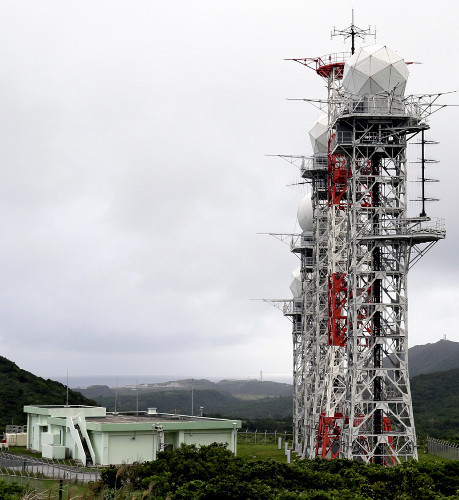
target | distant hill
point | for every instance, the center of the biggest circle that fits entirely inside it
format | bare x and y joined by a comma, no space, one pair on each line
242,389
231,398
435,403
435,395
429,358
213,402
19,388
95,391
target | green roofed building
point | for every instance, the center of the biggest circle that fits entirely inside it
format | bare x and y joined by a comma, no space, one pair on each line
90,434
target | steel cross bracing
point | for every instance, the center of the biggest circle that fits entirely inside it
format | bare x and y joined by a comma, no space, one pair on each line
309,313
293,309
328,404
299,312
377,419
295,312
351,387
303,246
316,304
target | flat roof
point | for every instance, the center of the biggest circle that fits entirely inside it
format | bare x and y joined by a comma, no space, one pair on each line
98,420
130,418
63,406
114,422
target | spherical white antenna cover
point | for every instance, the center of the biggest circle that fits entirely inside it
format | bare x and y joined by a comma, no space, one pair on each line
305,213
296,285
374,69
319,135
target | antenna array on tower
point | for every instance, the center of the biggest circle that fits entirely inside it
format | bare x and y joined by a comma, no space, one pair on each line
349,312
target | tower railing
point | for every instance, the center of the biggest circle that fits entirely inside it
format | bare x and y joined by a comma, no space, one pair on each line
333,58
323,65
377,105
301,242
292,307
400,227
317,165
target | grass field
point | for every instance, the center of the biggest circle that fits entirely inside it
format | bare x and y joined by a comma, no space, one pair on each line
22,450
427,457
261,451
264,451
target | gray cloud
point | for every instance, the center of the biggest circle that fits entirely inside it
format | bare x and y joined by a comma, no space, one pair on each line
134,179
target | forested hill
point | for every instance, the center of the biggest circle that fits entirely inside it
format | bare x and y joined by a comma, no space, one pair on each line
435,395
242,389
19,388
430,358
213,403
436,403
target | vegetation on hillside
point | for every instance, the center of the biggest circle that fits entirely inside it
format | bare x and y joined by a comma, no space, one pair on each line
430,358
19,388
435,400
252,389
214,402
212,472
436,404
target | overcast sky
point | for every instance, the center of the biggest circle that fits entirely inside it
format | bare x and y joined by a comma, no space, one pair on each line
134,178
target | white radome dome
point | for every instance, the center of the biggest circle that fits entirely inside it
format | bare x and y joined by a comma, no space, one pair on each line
296,286
305,213
375,69
319,135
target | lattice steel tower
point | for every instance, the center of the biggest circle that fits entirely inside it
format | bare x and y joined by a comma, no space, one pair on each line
352,393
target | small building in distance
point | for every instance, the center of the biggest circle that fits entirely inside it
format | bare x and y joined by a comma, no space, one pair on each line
93,436
14,435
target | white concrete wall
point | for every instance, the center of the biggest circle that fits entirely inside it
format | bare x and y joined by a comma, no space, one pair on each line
69,444
129,447
97,445
55,452
117,447
49,438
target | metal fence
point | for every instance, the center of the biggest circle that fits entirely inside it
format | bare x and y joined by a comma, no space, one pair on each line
49,489
443,449
23,468
244,436
16,429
